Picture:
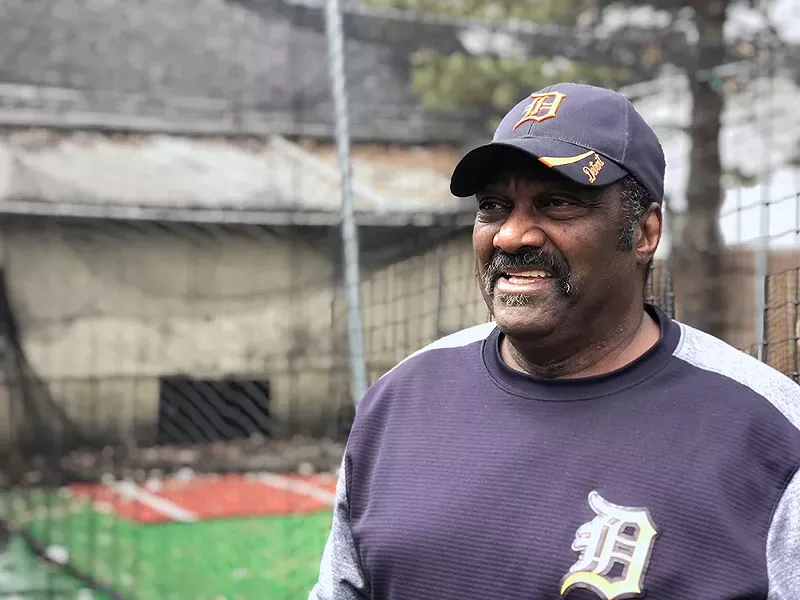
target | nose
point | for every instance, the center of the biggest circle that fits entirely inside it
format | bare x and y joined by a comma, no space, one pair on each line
519,230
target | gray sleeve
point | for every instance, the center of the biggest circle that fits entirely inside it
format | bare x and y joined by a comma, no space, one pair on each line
783,545
340,575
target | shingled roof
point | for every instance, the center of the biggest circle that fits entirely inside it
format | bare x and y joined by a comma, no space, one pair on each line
209,57
180,48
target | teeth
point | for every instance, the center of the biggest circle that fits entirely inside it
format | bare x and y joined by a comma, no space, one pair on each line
529,274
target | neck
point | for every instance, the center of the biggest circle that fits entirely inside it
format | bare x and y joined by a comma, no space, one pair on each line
584,355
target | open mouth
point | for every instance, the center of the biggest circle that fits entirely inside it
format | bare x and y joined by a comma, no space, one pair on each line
526,277
521,284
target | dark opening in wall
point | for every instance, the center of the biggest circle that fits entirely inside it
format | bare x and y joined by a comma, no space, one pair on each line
198,411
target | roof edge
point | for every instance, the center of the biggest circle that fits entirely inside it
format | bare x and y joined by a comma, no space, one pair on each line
416,129
31,207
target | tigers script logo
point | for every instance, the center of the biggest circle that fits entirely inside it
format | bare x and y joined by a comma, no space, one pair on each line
592,170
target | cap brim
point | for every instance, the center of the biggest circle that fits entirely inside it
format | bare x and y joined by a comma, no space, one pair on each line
581,165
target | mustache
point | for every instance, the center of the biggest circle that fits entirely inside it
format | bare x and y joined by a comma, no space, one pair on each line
527,258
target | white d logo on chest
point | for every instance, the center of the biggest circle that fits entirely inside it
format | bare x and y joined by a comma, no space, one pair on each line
615,549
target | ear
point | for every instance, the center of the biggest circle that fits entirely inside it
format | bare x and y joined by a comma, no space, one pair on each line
650,230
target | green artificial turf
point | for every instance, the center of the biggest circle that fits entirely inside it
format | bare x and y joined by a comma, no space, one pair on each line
231,559
22,576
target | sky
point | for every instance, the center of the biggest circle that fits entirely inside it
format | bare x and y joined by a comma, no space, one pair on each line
761,132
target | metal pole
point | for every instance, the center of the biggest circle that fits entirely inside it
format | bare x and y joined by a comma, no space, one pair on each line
761,265
440,276
352,277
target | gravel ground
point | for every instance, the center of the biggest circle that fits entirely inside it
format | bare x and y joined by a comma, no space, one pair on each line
296,455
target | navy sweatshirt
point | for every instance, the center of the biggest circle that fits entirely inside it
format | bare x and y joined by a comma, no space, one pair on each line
673,478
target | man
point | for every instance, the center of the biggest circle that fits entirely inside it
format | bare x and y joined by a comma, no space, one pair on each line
583,445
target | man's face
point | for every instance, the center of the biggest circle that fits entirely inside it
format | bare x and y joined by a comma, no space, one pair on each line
547,252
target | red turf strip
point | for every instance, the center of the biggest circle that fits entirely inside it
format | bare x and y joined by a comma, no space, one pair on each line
226,496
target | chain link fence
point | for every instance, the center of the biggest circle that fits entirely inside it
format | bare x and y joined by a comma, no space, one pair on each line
176,372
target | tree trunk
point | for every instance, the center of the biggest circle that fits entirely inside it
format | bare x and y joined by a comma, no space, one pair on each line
697,251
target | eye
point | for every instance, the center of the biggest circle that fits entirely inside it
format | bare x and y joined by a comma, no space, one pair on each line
490,203
558,202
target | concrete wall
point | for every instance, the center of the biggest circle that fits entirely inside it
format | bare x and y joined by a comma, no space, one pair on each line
107,309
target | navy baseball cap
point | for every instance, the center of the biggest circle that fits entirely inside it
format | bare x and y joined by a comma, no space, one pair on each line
592,135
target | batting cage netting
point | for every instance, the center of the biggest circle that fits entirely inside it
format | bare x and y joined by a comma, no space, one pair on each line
221,219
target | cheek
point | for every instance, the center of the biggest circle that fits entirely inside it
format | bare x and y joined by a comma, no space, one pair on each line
483,243
591,253
604,263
